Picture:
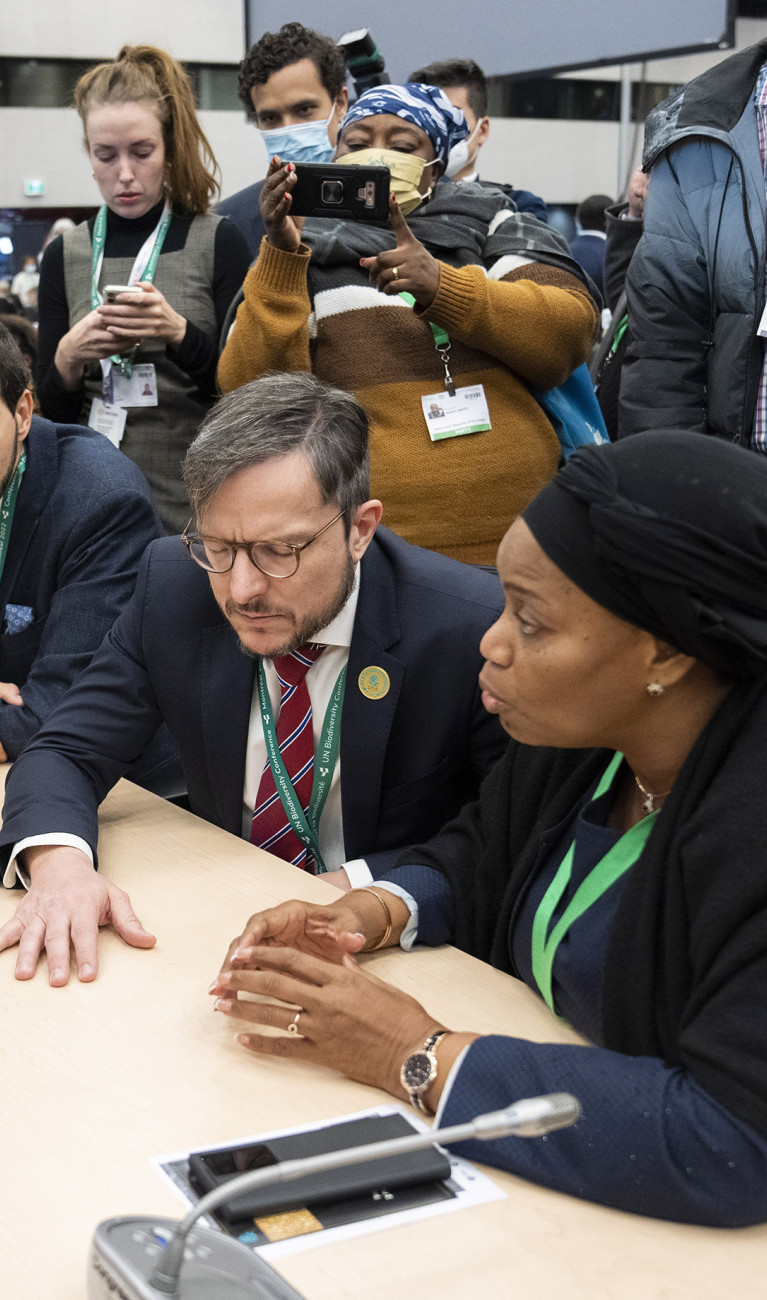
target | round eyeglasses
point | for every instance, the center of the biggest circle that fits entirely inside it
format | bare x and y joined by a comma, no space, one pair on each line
275,559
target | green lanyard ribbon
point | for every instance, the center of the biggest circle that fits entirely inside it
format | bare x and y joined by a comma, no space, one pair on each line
305,825
8,507
610,868
151,249
441,343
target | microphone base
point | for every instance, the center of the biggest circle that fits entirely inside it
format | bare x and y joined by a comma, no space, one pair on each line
124,1251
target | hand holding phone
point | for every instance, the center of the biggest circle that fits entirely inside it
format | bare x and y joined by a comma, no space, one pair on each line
112,290
283,230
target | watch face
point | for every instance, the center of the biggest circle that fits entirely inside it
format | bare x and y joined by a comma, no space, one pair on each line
417,1071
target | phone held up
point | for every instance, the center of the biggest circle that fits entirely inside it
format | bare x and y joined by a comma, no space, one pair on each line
334,190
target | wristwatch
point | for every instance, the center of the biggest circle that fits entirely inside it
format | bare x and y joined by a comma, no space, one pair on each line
419,1070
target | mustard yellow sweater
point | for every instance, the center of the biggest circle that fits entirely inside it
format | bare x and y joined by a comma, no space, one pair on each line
532,326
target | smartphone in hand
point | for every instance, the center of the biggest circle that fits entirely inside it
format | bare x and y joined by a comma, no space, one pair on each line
111,291
334,190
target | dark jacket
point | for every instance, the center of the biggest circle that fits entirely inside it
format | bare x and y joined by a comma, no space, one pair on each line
242,208
588,249
686,967
623,235
83,520
523,200
409,760
696,285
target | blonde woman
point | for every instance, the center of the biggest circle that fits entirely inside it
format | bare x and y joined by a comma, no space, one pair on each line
140,368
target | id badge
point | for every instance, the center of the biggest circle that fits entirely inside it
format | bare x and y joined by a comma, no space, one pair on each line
450,417
109,420
139,390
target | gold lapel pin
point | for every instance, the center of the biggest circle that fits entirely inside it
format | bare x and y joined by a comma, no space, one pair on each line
374,682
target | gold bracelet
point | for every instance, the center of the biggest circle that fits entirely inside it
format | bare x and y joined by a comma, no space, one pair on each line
365,889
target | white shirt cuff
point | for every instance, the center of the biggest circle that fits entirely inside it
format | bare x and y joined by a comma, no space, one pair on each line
358,872
457,1063
15,871
410,932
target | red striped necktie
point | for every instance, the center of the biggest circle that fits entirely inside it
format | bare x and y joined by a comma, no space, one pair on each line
270,828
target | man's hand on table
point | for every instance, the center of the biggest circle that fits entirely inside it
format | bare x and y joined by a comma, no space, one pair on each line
65,905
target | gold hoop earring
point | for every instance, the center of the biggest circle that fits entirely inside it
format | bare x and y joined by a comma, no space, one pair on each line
656,689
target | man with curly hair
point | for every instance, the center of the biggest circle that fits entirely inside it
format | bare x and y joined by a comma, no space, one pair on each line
293,85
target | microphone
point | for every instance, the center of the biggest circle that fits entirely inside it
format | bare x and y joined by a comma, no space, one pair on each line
125,1257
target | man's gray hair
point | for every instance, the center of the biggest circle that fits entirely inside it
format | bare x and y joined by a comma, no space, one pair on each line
274,416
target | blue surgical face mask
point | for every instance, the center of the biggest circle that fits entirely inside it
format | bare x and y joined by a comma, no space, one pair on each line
308,142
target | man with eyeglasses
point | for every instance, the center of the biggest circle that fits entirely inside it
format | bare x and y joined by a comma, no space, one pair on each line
318,673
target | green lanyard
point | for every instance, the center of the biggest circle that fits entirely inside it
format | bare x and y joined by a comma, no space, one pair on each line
151,249
305,825
441,343
609,869
7,508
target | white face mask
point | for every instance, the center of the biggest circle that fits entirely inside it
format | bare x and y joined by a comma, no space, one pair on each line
459,156
305,142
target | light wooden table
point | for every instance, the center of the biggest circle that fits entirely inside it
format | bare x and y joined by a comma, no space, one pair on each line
99,1077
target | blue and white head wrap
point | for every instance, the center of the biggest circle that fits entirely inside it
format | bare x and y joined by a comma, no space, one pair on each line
425,106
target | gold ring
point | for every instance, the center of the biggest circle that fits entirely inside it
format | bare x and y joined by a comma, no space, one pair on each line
395,273
293,1026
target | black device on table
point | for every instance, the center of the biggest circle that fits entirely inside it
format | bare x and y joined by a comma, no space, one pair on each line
210,1169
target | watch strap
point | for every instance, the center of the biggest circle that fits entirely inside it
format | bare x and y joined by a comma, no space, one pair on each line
415,1093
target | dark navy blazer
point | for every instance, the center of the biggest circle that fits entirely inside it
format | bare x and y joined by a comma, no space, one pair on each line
242,208
409,760
83,520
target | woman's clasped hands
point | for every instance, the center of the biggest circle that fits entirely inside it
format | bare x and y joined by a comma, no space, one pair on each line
332,1012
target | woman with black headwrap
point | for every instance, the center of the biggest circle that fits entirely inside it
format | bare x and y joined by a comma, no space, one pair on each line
615,860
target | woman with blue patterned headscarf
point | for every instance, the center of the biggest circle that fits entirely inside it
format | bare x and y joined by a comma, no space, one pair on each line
354,303
410,129
426,107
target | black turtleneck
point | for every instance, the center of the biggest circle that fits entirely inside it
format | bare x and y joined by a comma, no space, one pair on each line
196,355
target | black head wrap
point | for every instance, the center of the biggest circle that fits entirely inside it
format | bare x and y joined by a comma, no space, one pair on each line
668,530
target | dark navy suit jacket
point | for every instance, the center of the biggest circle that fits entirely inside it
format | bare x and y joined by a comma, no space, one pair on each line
244,211
588,249
83,520
409,760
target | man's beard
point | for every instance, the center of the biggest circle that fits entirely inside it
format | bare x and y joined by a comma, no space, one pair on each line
307,629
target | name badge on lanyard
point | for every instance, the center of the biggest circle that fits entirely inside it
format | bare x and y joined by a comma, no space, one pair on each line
457,410
449,417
